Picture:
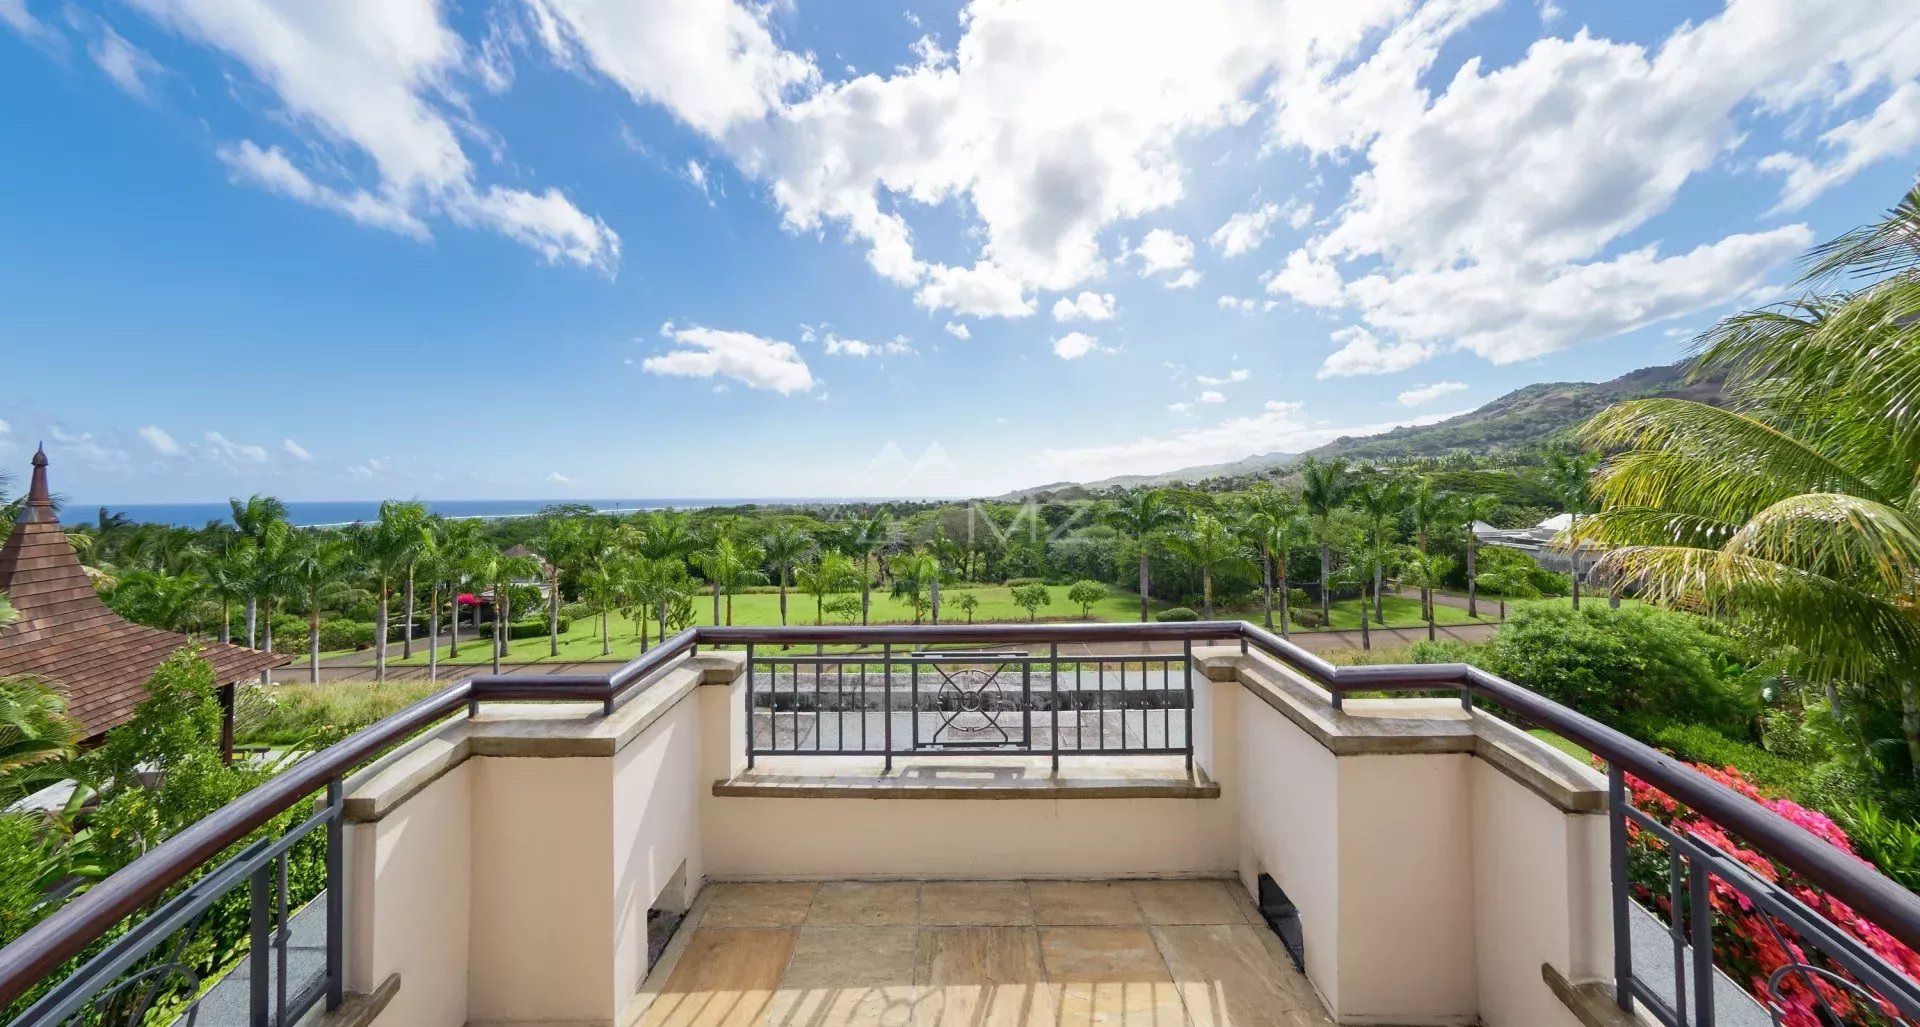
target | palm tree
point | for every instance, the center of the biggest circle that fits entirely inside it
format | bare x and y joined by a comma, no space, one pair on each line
454,547
1324,486
35,733
1143,516
498,571
390,547
1794,511
728,564
1432,512
1426,571
560,545
784,547
1208,545
603,569
228,576
861,539
1473,509
1263,511
1379,496
833,572
254,517
316,569
913,574
1570,477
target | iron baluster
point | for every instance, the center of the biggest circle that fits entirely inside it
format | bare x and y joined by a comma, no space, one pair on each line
750,739
1617,844
1699,887
886,698
1186,658
258,965
336,894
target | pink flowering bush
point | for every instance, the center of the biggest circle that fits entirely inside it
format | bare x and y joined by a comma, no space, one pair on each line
1744,946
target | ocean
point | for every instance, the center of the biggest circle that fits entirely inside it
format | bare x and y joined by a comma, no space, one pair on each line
309,514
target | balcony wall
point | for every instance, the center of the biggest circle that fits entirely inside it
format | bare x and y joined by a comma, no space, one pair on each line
503,865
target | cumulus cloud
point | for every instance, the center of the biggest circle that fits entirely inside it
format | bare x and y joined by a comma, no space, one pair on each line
1089,306
959,331
1163,250
1245,231
1314,282
1184,280
295,450
556,478
1233,377
1428,393
1180,408
1363,353
899,345
157,437
1213,396
746,358
232,453
983,290
1074,345
1245,306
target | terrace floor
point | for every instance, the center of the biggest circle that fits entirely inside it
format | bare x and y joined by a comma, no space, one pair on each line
978,954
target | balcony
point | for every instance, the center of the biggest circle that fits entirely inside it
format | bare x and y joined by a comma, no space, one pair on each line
1036,825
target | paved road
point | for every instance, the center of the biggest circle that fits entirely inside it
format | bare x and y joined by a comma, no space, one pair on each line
1315,641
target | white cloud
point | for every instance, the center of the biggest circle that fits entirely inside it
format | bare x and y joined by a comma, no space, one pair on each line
128,66
1184,280
15,15
1506,313
232,453
1315,283
1893,128
161,442
1233,377
556,478
1428,393
90,450
1091,306
897,346
1245,231
1278,428
295,450
1074,345
749,359
696,174
378,77
1245,306
1180,408
371,468
1213,396
1163,250
983,290
958,330
1362,353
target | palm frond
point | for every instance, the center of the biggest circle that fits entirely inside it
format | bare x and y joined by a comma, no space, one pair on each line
1841,537
1888,246
1748,464
1650,526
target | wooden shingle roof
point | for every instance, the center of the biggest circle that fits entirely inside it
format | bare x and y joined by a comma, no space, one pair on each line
67,637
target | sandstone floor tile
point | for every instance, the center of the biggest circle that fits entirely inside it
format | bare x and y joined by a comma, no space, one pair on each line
866,904
1135,1003
1187,902
726,978
1229,978
1083,903
975,903
848,977
1101,954
759,905
981,977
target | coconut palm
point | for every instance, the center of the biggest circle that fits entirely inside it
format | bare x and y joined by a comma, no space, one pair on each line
254,517
228,575
784,547
1324,487
727,565
1208,544
1143,516
1381,497
1474,509
316,571
560,546
493,568
35,734
1425,571
1432,512
833,572
1569,476
390,547
860,539
1262,511
1795,510
450,556
913,574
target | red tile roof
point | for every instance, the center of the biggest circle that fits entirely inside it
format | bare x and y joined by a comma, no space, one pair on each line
68,637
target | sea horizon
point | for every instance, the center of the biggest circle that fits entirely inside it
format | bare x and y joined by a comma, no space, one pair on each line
328,513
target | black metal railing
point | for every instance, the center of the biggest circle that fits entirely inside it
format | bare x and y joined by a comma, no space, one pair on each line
968,702
156,890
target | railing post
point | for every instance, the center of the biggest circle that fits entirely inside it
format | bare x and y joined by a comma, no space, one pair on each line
1186,652
1053,702
336,895
259,956
886,704
1617,847
796,674
1699,887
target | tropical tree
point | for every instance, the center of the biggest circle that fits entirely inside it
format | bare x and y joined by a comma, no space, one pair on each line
228,576
1206,543
1031,598
390,547
1794,511
1432,513
316,571
784,547
1570,477
604,569
36,734
1426,571
967,602
493,568
1475,509
727,565
560,546
1143,516
860,539
1324,487
1084,594
1262,513
451,556
173,602
832,573
913,575
254,517
1380,496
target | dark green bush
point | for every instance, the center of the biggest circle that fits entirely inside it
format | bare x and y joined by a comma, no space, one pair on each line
1307,616
341,633
534,627
575,611
1017,582
1176,613
366,611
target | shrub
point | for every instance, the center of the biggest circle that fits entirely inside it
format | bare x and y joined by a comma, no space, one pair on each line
292,714
1031,597
1177,613
341,633
1307,616
1297,599
1086,593
1017,582
575,611
535,627
366,611
1446,651
1890,843
847,608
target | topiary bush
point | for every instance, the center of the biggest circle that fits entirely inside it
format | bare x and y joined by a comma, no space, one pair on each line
535,627
1307,616
1177,613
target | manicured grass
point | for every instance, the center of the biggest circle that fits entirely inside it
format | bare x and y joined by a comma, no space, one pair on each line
1402,612
289,714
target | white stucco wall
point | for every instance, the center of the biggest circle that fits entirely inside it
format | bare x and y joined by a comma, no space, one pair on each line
410,878
656,789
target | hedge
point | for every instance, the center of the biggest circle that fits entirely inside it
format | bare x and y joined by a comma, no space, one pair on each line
1176,613
535,628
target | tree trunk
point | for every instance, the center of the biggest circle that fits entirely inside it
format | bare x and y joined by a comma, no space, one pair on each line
313,644
1573,527
866,589
716,601
1910,722
1379,581
252,621
501,631
433,633
1326,572
267,636
499,621
553,613
641,619
406,618
1266,581
729,607
1473,547
380,635
453,614
226,622
783,597
1206,589
606,641
936,598
1144,582
1285,619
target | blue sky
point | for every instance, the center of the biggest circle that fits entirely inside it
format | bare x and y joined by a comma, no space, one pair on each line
707,248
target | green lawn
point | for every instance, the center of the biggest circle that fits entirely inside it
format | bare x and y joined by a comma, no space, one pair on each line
1402,612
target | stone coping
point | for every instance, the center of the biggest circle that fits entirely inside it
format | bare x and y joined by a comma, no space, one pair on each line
979,777
534,730
1400,727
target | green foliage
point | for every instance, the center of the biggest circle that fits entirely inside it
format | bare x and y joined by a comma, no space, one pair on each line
576,611
1888,842
535,627
1018,582
1177,613
1086,593
32,860
302,714
966,603
846,608
1031,598
37,737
